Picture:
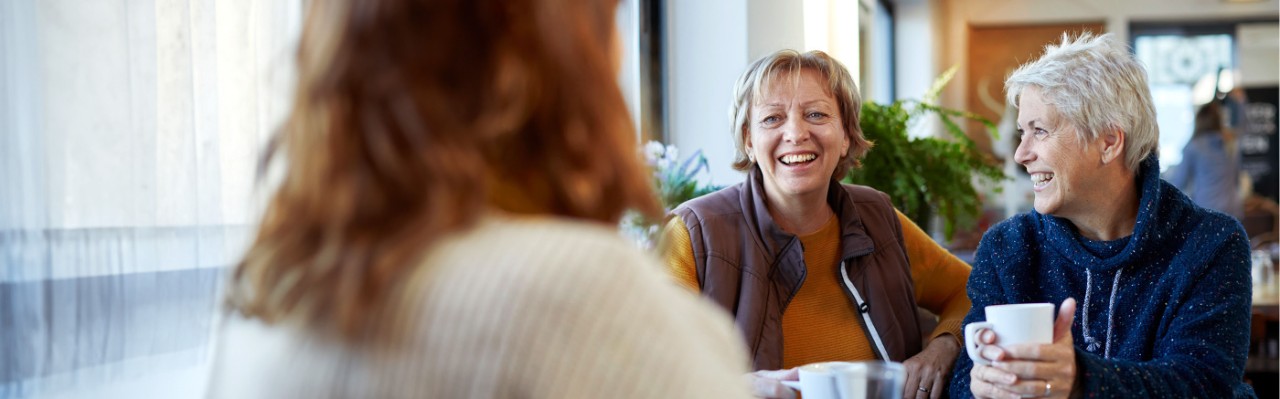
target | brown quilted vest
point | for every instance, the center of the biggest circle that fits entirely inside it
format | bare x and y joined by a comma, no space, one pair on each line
752,268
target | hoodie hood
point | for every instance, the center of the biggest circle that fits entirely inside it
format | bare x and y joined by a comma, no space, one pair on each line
1061,236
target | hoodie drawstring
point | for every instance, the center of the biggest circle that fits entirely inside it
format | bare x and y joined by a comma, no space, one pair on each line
1111,311
1091,342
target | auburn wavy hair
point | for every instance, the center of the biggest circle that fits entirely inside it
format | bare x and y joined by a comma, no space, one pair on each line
412,118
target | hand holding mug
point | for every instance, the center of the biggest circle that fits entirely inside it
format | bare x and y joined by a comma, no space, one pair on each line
1024,369
768,384
1020,323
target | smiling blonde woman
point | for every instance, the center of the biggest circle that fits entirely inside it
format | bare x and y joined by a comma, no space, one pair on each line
812,269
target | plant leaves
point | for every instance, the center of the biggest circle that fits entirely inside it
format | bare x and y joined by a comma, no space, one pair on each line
925,176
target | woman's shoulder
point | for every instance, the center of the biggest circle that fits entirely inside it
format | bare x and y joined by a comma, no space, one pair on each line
496,239
554,297
532,261
1020,224
1179,213
1184,224
1009,236
871,205
722,201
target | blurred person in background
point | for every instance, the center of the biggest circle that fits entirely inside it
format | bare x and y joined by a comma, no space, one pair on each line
1163,284
1210,169
815,270
446,223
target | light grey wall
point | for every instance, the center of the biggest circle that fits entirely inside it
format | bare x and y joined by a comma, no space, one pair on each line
774,25
706,46
917,60
1259,56
916,56
709,43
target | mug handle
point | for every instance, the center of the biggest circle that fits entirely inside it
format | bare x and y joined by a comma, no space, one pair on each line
971,343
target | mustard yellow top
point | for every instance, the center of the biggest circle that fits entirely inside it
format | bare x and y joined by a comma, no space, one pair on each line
819,322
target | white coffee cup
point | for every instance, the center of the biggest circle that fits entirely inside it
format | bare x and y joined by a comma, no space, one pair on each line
852,380
1021,323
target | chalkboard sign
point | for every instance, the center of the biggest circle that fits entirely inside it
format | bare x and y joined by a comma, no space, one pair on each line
1259,149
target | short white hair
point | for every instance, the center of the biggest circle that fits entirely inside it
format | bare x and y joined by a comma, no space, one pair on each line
1096,84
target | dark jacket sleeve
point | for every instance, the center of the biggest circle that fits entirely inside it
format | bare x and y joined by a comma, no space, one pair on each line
1202,353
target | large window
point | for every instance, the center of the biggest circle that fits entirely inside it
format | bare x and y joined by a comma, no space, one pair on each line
129,136
878,53
1187,66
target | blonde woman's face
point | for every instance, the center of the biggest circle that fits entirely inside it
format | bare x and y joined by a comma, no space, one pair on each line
796,136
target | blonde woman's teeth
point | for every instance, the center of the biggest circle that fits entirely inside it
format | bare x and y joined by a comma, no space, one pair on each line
797,158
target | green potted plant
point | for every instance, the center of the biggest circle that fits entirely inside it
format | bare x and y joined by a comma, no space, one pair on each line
925,176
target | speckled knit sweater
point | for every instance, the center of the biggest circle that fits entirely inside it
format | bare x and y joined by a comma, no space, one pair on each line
1162,313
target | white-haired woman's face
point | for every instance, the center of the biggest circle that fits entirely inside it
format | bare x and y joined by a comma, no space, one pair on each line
1064,170
796,135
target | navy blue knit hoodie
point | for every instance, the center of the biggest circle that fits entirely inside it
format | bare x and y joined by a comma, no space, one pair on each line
1162,313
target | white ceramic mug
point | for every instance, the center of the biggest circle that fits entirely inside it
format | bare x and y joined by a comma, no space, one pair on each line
1021,323
852,380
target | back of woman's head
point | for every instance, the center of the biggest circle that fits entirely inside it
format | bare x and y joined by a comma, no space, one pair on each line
1209,118
410,116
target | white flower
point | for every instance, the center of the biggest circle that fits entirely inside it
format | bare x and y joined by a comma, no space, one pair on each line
653,151
663,163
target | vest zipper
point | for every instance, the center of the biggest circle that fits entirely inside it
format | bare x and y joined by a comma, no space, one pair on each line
866,315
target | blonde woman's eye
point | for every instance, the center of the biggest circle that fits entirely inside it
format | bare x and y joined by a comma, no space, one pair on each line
771,119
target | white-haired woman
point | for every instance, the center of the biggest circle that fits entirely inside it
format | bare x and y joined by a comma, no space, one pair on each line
1163,284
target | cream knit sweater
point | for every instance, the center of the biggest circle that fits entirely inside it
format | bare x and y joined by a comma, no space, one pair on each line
512,308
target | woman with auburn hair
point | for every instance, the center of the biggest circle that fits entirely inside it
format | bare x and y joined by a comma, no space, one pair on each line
446,223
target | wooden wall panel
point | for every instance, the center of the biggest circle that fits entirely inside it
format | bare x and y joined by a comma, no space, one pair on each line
993,53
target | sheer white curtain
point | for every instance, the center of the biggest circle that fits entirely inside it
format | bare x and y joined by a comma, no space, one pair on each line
129,136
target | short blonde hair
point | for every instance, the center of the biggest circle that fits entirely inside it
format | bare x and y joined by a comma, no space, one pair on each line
1096,84
789,63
